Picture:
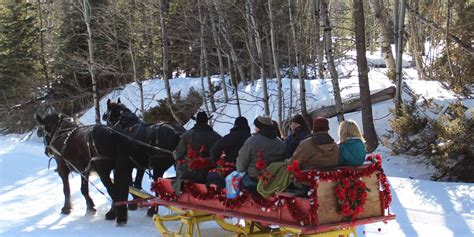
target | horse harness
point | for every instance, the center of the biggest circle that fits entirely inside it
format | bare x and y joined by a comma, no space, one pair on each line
91,145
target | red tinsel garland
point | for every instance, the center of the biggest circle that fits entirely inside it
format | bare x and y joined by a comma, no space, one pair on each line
337,175
223,167
195,161
347,176
161,193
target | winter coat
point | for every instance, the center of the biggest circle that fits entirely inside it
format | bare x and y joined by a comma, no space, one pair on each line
230,144
317,152
294,139
200,134
352,152
272,149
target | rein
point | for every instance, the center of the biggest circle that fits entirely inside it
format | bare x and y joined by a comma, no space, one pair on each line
59,155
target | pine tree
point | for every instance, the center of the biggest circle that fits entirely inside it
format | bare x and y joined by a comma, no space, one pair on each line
18,66
18,54
112,61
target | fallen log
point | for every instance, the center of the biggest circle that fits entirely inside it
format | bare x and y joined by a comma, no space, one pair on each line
354,104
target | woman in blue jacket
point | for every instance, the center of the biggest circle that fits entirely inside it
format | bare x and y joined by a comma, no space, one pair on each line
351,144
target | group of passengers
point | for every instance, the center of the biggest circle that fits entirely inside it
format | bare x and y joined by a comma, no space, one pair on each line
240,150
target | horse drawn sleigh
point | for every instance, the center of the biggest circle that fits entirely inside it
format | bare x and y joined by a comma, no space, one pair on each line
338,201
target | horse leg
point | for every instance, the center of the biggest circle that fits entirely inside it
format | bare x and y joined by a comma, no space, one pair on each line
85,192
123,170
136,184
105,178
63,172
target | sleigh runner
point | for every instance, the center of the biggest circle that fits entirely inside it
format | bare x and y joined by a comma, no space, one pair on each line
338,201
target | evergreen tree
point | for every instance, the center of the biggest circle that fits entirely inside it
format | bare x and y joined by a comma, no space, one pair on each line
111,54
18,65
18,54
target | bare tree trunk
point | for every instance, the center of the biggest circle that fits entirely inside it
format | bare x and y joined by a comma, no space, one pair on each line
416,51
269,54
131,51
202,57
250,38
396,12
330,60
206,61
259,46
165,57
415,46
304,110
401,26
228,40
319,51
209,82
363,71
135,78
290,75
448,21
382,20
218,44
236,86
43,53
86,14
277,67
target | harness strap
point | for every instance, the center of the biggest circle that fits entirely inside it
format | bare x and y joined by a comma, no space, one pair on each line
63,149
140,142
96,158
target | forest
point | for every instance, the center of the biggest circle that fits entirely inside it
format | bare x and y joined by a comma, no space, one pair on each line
64,55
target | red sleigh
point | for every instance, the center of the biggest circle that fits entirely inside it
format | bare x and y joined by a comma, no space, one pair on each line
338,201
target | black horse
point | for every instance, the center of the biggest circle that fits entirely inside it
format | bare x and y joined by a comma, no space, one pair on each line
64,170
100,148
93,147
161,135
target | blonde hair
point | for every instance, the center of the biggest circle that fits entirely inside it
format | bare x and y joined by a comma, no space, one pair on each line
348,129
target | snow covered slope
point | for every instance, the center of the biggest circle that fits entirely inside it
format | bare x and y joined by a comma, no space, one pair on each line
31,194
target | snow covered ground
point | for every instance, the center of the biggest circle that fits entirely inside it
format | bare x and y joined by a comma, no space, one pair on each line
31,194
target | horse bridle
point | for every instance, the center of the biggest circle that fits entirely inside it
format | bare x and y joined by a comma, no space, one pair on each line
107,118
55,134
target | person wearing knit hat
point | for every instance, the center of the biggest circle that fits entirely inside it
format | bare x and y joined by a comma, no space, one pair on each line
264,145
299,131
229,145
263,121
319,150
320,124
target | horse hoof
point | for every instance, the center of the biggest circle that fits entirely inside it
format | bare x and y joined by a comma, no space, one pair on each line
132,207
121,222
66,211
110,216
91,212
151,211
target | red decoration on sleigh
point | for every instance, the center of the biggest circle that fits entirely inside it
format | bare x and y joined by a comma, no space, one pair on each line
196,162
